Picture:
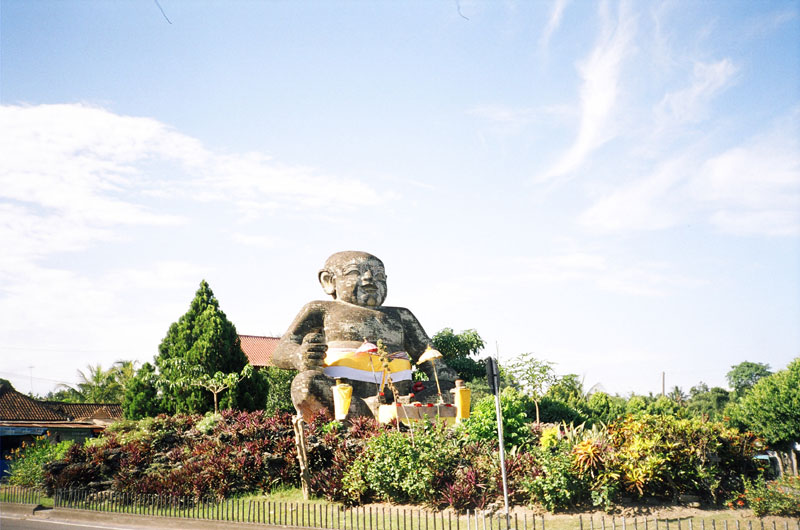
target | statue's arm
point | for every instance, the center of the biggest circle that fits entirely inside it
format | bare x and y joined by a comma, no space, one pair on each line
417,341
289,352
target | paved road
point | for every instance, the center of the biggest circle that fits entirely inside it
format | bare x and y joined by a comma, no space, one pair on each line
35,523
27,518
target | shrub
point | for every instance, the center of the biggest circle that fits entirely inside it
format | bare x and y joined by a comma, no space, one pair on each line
559,486
397,467
778,497
333,447
28,461
482,423
471,481
186,455
668,456
555,411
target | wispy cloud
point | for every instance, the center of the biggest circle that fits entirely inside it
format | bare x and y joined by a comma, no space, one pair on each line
592,269
600,75
553,22
74,177
691,103
771,21
752,188
71,173
256,241
644,204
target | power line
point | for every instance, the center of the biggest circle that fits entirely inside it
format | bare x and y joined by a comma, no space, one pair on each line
11,374
56,349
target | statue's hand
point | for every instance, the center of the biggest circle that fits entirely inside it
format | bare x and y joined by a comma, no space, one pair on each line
312,351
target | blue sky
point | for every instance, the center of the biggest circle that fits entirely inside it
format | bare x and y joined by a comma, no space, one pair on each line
614,186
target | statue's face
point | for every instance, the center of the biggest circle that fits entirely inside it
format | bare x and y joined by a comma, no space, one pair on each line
362,281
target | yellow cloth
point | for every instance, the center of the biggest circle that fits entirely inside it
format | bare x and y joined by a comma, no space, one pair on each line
347,363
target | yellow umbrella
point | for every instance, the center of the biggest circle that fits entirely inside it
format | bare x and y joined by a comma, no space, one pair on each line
429,355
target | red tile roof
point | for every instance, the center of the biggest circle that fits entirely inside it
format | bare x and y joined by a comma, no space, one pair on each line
259,349
16,406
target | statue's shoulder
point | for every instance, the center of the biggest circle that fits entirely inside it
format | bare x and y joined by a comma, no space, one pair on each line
400,312
316,307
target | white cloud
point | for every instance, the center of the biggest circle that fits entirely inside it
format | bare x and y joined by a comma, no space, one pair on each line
690,104
767,23
641,205
750,189
501,113
600,73
553,23
754,188
593,269
74,177
597,270
72,173
256,241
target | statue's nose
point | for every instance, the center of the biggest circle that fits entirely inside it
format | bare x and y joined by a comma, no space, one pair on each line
367,275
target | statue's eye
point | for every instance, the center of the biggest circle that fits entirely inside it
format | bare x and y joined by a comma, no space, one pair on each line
379,276
352,271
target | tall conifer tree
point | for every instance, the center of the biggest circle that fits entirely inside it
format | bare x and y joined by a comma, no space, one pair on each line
204,337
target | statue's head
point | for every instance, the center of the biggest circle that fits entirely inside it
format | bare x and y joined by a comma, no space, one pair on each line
355,277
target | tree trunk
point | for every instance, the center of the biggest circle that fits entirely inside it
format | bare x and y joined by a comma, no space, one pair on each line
216,407
302,456
793,456
780,463
536,402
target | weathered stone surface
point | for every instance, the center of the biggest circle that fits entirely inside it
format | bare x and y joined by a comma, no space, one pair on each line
357,283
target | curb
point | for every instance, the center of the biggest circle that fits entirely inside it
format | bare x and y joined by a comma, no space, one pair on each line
12,508
142,521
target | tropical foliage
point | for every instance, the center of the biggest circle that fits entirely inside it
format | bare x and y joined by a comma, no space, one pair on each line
460,351
26,466
770,408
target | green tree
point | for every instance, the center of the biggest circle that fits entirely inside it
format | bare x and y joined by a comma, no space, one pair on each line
533,375
637,404
123,372
664,406
204,338
568,389
279,397
459,350
216,384
678,396
708,402
141,398
95,385
770,408
744,375
605,408
64,393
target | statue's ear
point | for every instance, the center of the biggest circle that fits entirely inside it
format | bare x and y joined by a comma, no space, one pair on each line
326,278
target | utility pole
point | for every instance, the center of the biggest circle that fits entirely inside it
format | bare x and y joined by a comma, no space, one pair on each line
493,378
663,384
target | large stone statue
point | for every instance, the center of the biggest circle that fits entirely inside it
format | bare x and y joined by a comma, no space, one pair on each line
325,342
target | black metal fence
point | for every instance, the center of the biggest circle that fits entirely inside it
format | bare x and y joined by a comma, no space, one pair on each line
336,517
20,495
